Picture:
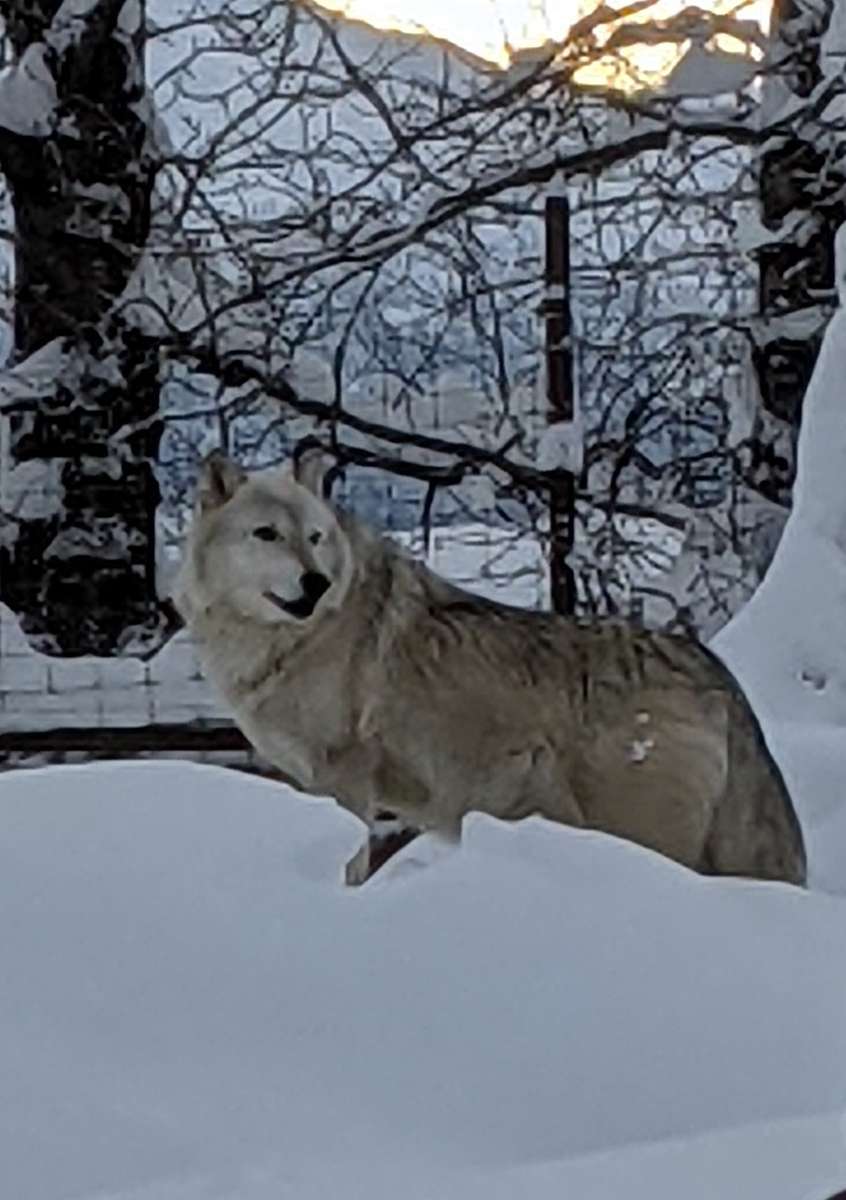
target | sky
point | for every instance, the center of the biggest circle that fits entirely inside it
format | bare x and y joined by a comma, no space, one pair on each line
486,27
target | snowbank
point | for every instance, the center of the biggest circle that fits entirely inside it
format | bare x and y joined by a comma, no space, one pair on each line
193,1008
788,644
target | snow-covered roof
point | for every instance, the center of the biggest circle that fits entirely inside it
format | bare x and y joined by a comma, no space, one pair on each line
702,73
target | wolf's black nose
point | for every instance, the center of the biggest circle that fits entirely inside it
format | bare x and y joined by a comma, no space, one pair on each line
314,585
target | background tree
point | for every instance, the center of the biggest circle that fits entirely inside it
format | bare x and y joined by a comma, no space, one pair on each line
344,239
803,202
78,153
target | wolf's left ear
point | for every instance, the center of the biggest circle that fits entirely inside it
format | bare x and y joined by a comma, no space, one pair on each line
219,480
314,468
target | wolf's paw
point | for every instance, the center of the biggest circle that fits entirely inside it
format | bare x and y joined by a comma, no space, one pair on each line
386,839
357,870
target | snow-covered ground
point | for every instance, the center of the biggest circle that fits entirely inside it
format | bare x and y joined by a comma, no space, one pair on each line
192,1007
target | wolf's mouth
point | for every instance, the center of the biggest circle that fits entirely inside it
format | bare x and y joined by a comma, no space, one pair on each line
300,609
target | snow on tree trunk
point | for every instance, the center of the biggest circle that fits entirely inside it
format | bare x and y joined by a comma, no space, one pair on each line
803,204
75,147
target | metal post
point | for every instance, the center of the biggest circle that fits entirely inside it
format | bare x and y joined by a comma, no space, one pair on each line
560,403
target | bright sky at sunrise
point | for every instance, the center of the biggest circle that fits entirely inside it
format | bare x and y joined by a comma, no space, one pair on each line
486,27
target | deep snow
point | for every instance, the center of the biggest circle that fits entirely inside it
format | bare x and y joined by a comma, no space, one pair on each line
192,1007
788,644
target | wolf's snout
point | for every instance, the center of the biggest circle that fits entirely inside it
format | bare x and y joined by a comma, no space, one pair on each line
314,585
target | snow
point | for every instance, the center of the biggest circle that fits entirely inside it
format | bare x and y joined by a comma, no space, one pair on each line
788,644
131,17
703,72
69,24
561,447
104,537
35,377
751,234
28,94
33,490
194,1008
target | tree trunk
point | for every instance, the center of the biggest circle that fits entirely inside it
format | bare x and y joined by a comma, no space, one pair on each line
80,570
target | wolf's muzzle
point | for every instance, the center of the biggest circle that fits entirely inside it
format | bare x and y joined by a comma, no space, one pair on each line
314,586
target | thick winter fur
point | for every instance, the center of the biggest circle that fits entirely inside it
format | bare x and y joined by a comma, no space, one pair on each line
400,691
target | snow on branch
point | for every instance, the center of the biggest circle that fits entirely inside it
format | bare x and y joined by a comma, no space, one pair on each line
561,447
76,20
692,24
22,387
70,24
28,94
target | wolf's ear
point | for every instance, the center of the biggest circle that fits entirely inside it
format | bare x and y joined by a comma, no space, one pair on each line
314,468
219,480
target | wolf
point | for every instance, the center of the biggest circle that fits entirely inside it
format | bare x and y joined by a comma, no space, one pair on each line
362,675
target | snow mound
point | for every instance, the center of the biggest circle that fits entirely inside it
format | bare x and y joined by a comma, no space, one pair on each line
787,646
193,1007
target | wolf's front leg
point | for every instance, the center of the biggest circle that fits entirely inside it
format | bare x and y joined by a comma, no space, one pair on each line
362,779
387,834
357,870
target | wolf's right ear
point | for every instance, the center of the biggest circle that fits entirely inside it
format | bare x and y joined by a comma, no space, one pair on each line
219,480
314,467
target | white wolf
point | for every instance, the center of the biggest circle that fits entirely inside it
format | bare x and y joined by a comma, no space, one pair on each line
361,674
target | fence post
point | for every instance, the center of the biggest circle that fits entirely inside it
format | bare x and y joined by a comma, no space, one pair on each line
559,387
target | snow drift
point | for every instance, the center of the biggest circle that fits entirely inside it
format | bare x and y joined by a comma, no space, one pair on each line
192,1007
788,644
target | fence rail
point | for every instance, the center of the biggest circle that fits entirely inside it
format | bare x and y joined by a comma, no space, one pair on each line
218,743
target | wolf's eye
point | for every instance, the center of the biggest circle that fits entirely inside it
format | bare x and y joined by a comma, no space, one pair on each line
315,537
265,533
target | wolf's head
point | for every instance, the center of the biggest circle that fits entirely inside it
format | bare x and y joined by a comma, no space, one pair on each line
267,545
